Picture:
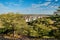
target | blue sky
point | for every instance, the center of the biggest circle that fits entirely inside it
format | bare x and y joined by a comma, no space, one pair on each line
29,6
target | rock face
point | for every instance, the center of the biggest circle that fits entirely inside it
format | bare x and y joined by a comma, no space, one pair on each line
32,17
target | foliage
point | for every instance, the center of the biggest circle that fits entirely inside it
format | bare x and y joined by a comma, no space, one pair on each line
41,27
46,27
12,22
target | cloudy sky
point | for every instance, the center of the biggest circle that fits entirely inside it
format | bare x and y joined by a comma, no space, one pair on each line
29,6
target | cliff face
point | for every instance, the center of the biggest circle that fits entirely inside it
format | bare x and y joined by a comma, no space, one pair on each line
33,17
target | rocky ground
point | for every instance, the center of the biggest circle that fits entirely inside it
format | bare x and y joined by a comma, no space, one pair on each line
5,37
23,38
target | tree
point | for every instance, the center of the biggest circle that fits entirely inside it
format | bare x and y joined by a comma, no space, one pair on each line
12,22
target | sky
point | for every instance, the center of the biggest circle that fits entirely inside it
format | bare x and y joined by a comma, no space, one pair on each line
29,6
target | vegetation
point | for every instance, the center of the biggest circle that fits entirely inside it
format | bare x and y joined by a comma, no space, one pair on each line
11,23
47,27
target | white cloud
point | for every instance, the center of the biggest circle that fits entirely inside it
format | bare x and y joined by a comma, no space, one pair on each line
37,8
38,5
54,7
12,4
34,8
48,0
56,0
21,1
46,3
6,9
3,6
